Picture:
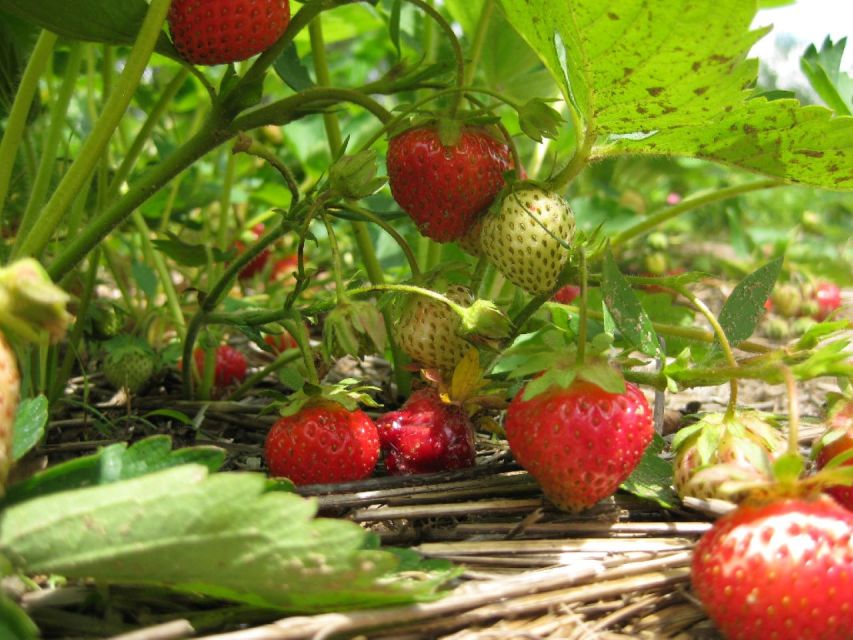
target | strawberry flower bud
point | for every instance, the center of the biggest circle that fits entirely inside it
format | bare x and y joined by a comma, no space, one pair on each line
355,176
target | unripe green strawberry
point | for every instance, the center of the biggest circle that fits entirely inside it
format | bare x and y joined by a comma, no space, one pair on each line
717,450
9,397
129,364
523,237
428,330
787,300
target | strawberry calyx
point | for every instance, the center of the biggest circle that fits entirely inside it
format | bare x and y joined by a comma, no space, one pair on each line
468,386
355,328
554,361
347,393
31,303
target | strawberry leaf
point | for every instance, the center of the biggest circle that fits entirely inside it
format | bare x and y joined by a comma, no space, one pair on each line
823,69
112,464
652,478
89,20
673,79
222,535
627,312
745,306
30,421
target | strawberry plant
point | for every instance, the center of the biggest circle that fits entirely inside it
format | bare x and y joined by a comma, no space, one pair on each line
550,220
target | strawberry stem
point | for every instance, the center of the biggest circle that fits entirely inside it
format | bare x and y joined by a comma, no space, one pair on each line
390,230
408,288
337,263
657,218
582,320
93,148
454,44
793,412
479,40
720,334
247,145
300,333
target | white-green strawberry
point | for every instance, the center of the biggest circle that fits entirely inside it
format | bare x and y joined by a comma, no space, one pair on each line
9,398
428,330
720,450
525,237
129,364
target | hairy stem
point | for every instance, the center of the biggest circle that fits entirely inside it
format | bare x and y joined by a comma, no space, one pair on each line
657,218
17,121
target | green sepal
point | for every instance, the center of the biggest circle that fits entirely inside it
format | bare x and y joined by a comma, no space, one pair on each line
30,302
354,176
449,131
538,120
788,468
348,393
485,319
354,328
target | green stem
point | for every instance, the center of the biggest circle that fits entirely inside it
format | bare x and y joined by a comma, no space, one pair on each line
688,204
255,148
337,263
584,304
49,152
76,336
561,179
478,275
287,109
282,359
724,343
479,39
321,68
164,275
208,138
138,144
693,334
17,121
225,201
408,288
793,412
92,150
454,43
390,230
300,333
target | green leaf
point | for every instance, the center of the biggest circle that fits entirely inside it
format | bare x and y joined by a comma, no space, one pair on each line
745,306
30,421
673,79
625,308
146,279
652,478
89,20
823,70
190,255
222,535
112,464
290,69
14,622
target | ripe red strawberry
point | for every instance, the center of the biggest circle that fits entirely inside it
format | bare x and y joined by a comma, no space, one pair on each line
567,294
781,570
230,365
828,298
579,443
426,435
718,449
839,439
9,397
257,264
281,342
223,31
283,269
323,443
522,237
427,330
444,188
